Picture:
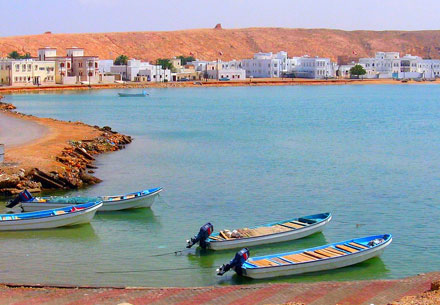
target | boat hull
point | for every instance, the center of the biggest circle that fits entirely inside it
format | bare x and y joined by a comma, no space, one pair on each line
108,205
50,222
269,239
321,265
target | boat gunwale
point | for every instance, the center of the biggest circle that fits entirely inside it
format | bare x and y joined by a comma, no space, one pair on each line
96,204
255,267
157,190
328,218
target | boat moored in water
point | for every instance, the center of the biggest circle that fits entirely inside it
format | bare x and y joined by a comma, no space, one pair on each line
141,199
143,94
282,231
331,256
49,219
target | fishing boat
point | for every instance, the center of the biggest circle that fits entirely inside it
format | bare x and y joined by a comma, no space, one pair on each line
49,219
281,231
321,258
141,199
143,94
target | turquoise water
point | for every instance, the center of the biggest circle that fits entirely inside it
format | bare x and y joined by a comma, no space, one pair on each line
239,157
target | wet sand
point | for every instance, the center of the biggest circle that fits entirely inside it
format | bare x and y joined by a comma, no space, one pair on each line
15,131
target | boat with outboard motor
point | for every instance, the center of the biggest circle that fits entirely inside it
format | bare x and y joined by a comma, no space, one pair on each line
331,256
49,219
281,231
141,199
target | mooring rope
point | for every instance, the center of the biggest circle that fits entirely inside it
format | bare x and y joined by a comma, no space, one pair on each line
155,270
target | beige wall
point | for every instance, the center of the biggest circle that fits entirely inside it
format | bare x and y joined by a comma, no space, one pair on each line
27,72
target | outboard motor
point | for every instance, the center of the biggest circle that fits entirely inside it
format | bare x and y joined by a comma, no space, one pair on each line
201,238
22,197
236,263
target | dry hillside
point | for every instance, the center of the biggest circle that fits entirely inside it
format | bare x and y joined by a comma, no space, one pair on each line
233,43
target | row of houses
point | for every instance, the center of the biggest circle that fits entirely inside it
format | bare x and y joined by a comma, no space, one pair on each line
50,69
76,68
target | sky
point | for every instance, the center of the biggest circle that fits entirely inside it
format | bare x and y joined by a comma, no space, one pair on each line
24,17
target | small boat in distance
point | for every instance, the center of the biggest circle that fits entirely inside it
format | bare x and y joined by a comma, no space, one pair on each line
141,199
49,219
143,94
332,256
281,231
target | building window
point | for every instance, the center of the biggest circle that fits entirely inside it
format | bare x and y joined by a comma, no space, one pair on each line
17,68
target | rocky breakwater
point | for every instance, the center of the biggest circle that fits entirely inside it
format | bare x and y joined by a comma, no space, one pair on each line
71,167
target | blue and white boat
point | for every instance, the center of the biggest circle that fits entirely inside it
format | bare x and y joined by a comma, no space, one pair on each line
332,256
141,199
49,219
276,232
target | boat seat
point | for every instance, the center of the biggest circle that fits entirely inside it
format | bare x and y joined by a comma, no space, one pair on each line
330,253
358,245
216,237
280,261
346,248
223,235
299,223
314,254
59,212
293,225
298,258
326,254
333,250
264,263
129,196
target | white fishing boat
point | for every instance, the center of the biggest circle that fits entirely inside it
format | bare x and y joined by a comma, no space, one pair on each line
281,231
321,258
49,219
141,199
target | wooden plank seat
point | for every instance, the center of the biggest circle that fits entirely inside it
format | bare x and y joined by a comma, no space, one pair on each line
129,197
299,258
347,248
264,263
326,253
217,237
280,261
331,253
358,245
315,254
293,225
333,250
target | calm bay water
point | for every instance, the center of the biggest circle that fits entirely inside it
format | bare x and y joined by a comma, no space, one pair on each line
239,157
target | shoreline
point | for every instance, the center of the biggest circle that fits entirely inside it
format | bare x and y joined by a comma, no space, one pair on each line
215,83
396,292
61,157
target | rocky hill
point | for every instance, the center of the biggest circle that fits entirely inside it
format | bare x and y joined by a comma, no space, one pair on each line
233,43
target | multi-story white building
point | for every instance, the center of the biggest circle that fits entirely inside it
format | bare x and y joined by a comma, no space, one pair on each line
311,67
27,72
279,65
391,65
137,70
263,65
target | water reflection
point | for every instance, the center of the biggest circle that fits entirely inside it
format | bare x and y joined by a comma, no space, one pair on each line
83,232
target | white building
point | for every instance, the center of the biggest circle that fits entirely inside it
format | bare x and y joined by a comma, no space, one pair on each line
311,67
263,65
105,65
391,65
136,70
279,65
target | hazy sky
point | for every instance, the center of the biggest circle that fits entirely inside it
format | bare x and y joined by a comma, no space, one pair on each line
21,17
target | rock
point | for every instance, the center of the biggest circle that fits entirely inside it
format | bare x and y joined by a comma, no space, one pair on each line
9,181
91,171
83,152
89,179
218,26
47,180
435,285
